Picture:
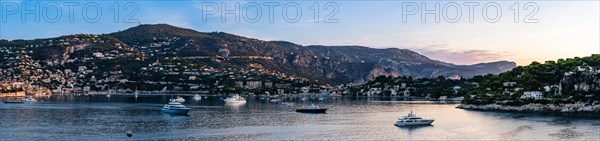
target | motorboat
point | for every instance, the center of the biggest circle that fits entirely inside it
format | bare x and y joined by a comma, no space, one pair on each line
176,108
179,99
236,99
30,100
197,97
14,101
311,109
413,120
287,103
276,100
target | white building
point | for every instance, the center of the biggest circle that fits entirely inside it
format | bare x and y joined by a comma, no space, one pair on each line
374,91
393,92
532,95
455,77
98,55
509,84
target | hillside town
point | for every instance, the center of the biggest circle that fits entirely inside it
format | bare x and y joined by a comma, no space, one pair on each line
91,64
95,64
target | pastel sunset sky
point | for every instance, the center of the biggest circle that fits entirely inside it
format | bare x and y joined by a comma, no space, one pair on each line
487,31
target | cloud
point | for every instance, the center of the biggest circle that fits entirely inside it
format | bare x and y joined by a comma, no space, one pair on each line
444,52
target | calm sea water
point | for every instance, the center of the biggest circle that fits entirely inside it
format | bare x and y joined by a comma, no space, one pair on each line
101,118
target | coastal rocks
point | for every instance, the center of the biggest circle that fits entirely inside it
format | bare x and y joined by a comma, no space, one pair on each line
535,107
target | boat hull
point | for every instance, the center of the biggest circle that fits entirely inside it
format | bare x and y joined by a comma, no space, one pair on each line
176,111
311,110
14,102
419,123
235,102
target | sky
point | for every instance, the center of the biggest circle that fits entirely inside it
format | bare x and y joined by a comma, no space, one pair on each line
466,32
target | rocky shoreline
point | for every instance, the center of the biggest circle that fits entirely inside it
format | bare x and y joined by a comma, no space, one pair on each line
535,107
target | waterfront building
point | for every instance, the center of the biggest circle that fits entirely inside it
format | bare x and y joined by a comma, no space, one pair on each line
532,95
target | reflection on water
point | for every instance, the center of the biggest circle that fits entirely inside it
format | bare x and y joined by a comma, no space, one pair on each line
567,133
100,118
412,129
515,132
234,106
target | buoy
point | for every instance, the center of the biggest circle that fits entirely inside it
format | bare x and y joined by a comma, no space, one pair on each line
129,134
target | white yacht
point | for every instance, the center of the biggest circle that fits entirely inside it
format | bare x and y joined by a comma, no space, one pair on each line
197,97
236,99
179,99
176,108
412,120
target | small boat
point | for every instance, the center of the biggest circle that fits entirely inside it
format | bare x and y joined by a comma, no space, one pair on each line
108,94
236,99
197,97
276,100
412,120
311,109
287,103
129,134
30,100
14,101
176,108
179,99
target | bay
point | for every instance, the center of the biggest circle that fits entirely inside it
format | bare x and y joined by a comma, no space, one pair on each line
101,118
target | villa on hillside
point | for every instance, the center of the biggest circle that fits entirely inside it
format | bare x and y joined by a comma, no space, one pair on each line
532,95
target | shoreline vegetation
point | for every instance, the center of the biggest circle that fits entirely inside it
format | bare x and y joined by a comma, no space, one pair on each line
578,107
569,85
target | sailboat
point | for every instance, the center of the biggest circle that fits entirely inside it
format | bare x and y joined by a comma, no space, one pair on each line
136,93
108,95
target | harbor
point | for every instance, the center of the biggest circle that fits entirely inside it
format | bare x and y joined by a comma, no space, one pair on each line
97,117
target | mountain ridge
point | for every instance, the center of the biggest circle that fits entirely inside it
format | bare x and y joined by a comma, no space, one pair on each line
323,64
